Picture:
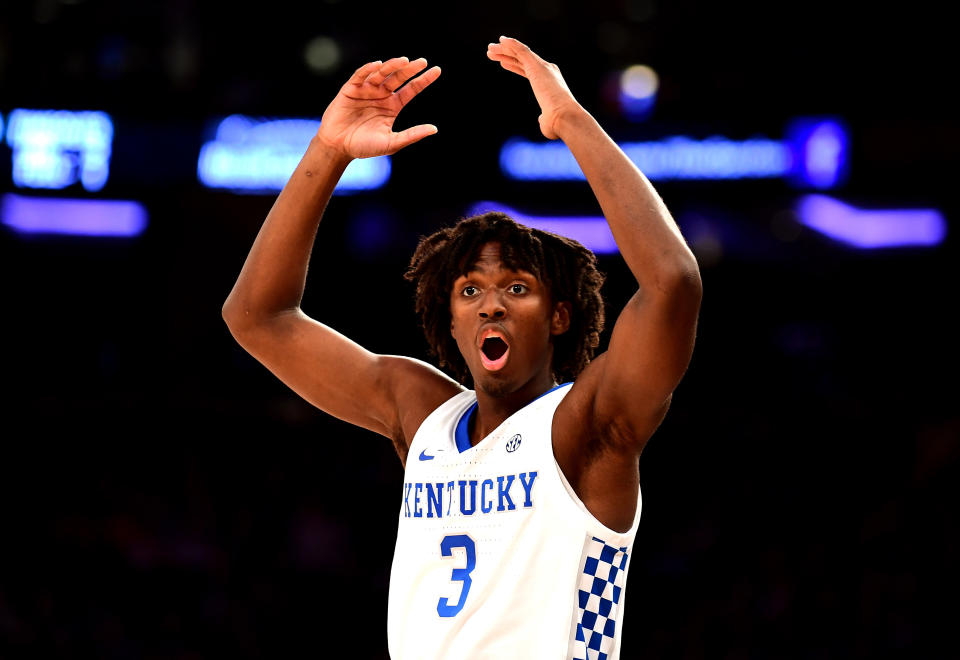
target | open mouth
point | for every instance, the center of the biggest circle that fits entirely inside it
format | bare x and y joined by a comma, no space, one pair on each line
493,353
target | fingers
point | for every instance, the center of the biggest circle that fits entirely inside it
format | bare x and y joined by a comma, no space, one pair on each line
394,74
411,135
506,61
396,80
514,56
387,68
417,85
360,74
516,49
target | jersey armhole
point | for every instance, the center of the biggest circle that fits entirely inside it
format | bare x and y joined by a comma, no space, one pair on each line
596,527
605,532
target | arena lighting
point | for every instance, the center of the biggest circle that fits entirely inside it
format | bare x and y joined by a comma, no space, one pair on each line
322,54
638,91
869,229
259,155
74,217
815,154
821,152
590,230
56,148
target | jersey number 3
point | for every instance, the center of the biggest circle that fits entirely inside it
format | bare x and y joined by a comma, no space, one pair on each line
462,574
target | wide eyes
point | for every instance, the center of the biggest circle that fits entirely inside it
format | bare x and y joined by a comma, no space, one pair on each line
516,289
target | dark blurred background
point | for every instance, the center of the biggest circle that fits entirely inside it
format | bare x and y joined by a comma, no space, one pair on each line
164,496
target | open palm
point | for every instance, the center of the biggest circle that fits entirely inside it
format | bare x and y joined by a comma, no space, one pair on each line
359,121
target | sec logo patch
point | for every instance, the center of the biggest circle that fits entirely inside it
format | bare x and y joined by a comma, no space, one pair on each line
513,443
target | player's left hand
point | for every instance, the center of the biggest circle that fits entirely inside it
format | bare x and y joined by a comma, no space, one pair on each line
548,85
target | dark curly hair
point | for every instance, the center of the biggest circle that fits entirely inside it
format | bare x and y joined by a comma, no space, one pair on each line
568,269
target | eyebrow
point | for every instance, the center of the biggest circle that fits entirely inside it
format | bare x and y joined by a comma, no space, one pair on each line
511,272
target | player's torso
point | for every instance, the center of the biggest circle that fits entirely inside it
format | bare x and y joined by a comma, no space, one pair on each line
492,547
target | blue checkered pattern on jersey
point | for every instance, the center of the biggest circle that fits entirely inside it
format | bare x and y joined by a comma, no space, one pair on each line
601,585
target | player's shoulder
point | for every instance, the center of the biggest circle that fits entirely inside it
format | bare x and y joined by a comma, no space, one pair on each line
589,412
418,389
583,422
411,372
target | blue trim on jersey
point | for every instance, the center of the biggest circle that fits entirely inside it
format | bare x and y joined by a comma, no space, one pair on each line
462,433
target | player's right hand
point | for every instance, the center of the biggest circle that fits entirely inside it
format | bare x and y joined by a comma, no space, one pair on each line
359,121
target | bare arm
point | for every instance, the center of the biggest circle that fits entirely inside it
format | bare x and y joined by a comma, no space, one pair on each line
624,393
263,309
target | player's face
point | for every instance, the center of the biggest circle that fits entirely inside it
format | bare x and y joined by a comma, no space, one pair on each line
503,321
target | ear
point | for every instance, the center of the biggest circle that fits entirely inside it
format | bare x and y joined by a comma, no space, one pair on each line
560,322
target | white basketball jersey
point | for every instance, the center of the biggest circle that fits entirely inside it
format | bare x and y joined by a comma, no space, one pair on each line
496,556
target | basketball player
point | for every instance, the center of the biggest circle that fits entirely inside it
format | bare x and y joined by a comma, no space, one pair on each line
521,497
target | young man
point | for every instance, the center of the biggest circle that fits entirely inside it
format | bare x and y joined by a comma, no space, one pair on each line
521,497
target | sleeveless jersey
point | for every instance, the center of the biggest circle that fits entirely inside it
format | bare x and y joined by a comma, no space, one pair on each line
496,556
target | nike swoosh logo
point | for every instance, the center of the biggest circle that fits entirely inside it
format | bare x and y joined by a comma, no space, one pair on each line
424,457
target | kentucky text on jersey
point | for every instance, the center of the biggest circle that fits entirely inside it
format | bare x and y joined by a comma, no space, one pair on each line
468,496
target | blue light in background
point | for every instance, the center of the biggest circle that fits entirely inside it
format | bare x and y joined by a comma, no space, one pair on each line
56,148
75,217
871,228
259,155
671,158
815,154
638,91
591,231
821,150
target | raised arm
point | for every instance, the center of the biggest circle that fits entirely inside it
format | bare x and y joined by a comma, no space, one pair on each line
263,309
624,393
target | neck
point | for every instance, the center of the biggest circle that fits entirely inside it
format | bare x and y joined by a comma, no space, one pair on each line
494,408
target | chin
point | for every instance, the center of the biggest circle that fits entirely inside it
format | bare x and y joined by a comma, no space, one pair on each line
493,385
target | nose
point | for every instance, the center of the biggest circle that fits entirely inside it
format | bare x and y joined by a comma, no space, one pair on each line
492,307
